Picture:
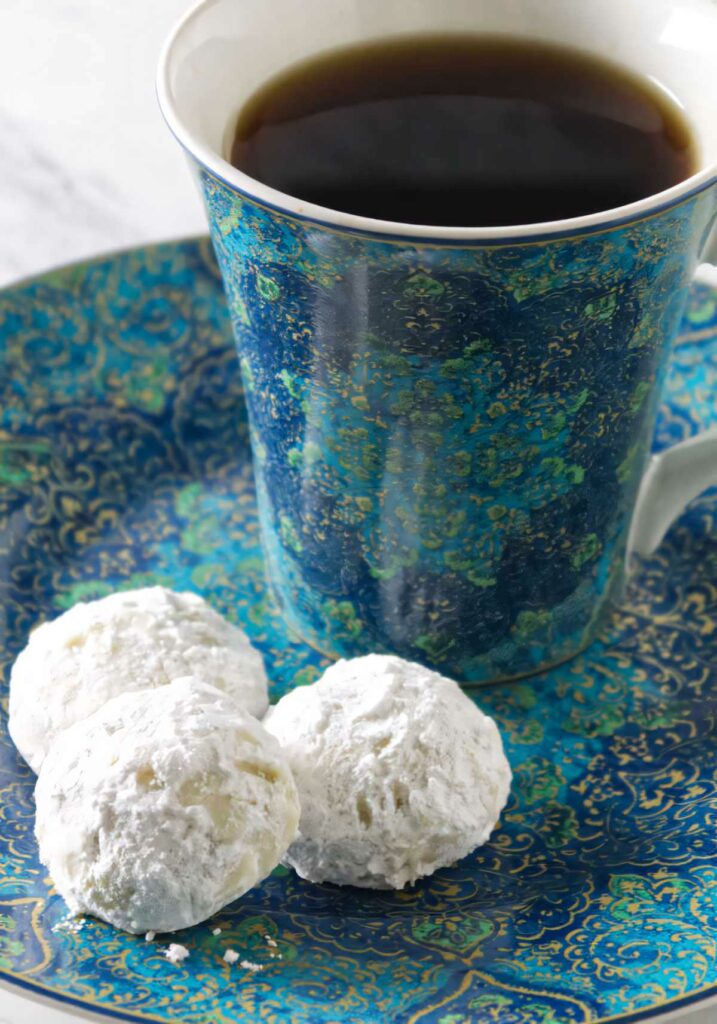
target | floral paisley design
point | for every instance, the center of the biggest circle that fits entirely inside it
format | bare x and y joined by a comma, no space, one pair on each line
449,438
595,897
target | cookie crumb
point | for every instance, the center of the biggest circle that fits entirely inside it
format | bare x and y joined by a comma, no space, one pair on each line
248,965
176,952
70,923
231,956
216,931
149,936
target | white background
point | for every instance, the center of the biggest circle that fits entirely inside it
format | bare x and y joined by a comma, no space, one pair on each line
86,161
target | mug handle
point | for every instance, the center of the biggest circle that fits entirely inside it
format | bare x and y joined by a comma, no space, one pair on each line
677,475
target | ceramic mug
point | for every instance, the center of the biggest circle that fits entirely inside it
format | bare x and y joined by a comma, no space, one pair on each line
451,426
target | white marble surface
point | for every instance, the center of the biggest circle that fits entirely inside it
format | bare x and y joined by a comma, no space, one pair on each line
86,163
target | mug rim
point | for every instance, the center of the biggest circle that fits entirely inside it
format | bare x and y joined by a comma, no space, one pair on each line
324,216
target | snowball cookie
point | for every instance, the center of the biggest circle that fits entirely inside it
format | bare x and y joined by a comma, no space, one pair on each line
398,772
162,807
132,640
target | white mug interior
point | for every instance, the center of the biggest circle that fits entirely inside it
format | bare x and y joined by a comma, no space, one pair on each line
223,50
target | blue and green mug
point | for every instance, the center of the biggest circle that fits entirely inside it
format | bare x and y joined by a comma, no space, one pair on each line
451,426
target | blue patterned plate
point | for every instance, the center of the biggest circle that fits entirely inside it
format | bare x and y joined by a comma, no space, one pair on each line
124,460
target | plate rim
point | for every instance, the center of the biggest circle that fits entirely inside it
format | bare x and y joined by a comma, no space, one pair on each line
36,991
27,280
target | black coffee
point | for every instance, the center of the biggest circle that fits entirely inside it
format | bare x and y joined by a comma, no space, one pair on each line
473,131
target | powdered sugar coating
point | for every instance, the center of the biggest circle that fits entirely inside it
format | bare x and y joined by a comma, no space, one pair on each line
398,772
131,640
162,807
